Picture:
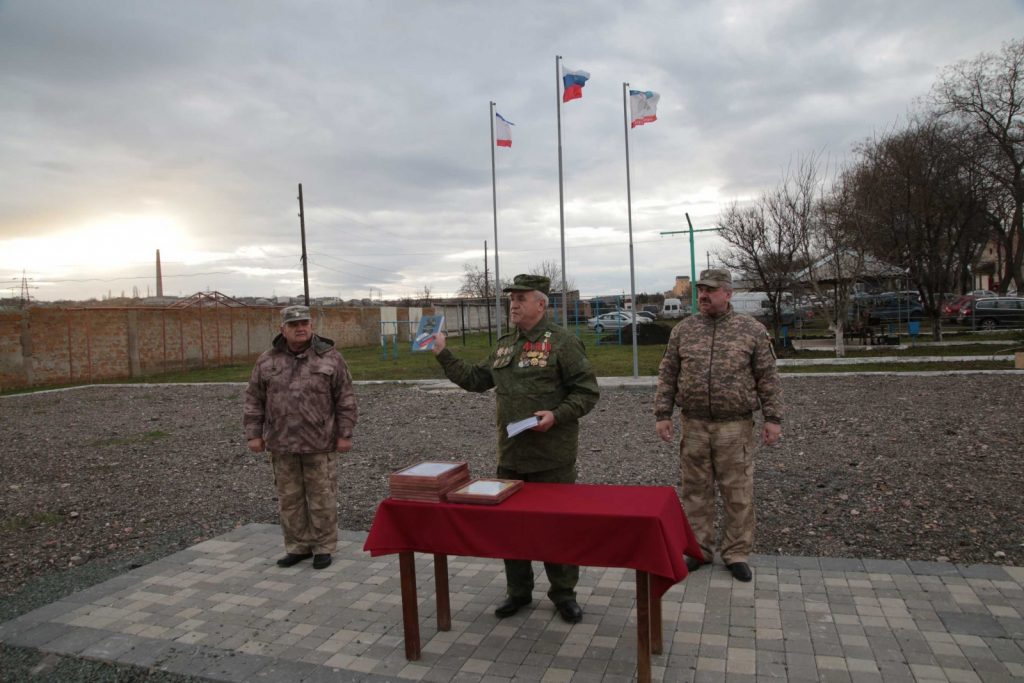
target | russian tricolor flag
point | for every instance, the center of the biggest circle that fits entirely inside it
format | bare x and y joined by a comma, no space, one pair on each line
502,131
572,84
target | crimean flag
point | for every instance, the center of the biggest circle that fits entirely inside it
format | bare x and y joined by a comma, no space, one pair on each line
643,107
573,82
502,131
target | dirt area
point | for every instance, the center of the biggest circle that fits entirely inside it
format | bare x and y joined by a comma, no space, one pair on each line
897,467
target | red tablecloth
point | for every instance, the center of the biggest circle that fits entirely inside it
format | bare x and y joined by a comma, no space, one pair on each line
636,527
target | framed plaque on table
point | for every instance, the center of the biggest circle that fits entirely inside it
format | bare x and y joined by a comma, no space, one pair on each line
428,481
484,491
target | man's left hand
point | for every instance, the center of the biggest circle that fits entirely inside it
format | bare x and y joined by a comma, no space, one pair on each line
440,341
547,420
344,445
772,433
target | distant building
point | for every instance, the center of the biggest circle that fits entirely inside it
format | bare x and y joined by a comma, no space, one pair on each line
159,300
987,269
681,290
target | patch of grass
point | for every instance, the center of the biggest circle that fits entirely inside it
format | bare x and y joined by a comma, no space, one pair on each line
858,351
18,523
237,372
930,366
370,363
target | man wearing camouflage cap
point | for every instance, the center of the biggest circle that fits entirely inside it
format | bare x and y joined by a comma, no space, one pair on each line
719,368
300,406
537,369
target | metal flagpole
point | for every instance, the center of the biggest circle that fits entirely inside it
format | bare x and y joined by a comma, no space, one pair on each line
305,261
494,203
693,270
561,197
487,295
629,213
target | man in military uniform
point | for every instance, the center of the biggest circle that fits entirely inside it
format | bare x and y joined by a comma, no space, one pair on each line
719,368
537,369
301,406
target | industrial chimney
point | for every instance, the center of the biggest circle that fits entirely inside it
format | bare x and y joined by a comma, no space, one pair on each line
159,276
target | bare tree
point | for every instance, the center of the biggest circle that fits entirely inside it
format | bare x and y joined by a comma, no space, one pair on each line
762,246
553,271
475,284
987,93
770,241
918,195
836,252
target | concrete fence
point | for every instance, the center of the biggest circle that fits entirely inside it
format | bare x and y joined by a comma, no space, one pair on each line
42,346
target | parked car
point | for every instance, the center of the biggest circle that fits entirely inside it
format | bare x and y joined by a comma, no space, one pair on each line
951,309
892,307
615,320
647,314
987,314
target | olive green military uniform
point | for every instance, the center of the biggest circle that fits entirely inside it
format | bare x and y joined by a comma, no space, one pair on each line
719,371
545,368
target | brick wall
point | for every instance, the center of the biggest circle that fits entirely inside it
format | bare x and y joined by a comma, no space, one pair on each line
42,346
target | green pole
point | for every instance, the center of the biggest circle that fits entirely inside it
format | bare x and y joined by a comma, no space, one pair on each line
693,259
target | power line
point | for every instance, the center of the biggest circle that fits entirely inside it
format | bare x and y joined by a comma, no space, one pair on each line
129,277
590,245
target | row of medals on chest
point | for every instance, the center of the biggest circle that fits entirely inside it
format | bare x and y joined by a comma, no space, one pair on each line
533,353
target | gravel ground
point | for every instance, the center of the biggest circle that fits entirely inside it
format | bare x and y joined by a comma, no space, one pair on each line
100,479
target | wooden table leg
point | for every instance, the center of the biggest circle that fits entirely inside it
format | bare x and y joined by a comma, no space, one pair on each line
444,608
643,627
656,644
410,610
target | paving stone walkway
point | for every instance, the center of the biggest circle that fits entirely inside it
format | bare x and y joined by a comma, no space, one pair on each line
224,611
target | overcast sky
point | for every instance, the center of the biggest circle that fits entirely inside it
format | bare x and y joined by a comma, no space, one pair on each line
186,126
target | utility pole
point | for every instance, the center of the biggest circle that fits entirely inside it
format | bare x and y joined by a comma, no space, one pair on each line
302,228
25,297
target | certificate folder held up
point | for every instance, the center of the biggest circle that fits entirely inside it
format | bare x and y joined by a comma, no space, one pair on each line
430,326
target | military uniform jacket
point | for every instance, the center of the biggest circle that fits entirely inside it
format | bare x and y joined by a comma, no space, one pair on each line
719,369
300,403
545,368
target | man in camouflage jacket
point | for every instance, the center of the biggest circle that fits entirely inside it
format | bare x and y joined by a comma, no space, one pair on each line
537,369
719,368
300,406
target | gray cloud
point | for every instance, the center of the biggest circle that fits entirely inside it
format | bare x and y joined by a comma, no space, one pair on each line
212,113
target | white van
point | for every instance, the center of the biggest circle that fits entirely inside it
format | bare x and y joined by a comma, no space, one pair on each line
756,304
752,303
673,308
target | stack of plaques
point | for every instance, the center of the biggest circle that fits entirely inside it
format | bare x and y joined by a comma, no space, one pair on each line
485,491
428,481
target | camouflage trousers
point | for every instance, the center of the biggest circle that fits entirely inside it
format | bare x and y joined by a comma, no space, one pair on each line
307,501
519,573
719,453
